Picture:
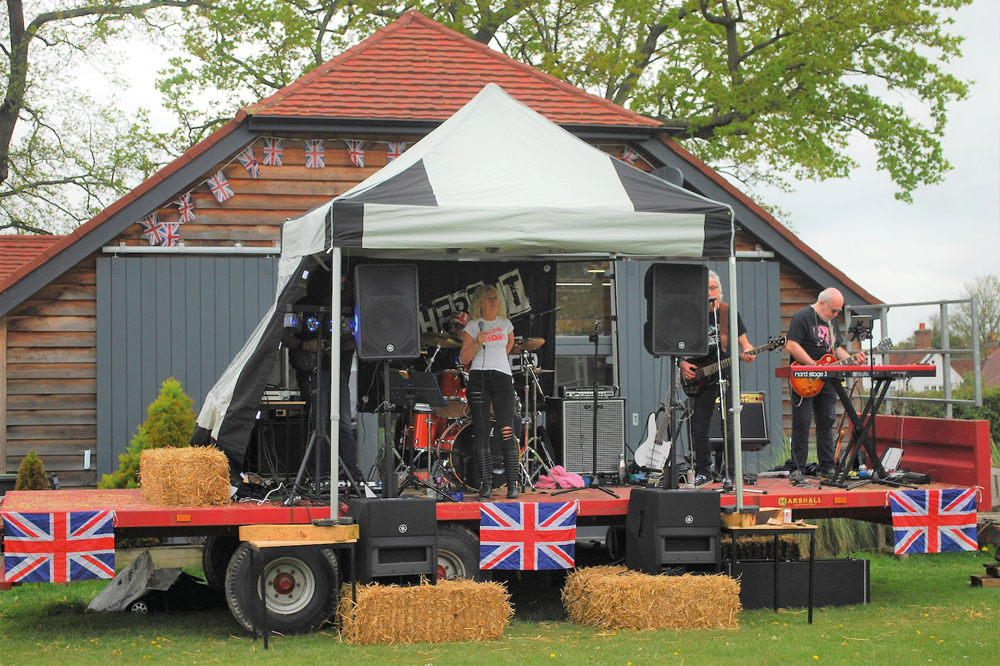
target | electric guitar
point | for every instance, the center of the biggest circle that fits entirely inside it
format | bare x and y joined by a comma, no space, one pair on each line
808,387
652,453
707,374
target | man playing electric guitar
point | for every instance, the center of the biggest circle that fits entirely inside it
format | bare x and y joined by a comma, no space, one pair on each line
704,402
813,333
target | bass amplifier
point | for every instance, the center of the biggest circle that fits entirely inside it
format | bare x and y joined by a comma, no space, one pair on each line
753,423
571,423
587,392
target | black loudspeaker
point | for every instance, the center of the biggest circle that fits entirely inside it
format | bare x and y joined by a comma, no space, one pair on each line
572,423
280,436
676,310
753,423
398,537
388,309
845,582
666,528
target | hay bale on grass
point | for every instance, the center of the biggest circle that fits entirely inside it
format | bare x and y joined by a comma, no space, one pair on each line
451,611
190,476
762,548
618,598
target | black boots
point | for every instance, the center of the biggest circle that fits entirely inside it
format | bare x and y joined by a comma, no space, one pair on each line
485,463
511,467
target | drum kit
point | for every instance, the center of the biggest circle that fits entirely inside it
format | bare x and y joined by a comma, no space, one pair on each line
439,439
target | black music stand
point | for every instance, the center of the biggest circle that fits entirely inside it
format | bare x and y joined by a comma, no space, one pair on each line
595,481
407,388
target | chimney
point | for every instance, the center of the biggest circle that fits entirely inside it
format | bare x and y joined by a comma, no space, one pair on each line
922,337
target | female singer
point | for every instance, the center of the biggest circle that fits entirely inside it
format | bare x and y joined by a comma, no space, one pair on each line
486,344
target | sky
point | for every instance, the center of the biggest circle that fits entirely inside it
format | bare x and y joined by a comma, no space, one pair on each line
898,252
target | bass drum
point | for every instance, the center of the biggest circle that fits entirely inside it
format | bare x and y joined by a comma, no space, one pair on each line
457,443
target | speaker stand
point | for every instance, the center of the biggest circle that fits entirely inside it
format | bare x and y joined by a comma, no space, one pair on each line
595,481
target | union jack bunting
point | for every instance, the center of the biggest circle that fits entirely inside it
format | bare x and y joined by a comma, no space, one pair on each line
153,228
273,151
220,187
933,521
173,235
395,149
315,154
249,162
185,206
356,151
58,547
527,536
629,156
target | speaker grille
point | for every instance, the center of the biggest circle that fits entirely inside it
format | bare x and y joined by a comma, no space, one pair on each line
388,305
578,435
676,310
753,423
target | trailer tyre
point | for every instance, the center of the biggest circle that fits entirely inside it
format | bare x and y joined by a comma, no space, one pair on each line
458,552
302,588
215,556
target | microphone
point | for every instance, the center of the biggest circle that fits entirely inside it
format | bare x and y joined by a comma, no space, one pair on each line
712,300
482,327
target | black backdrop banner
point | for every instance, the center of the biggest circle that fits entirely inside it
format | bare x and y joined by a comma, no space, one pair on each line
446,287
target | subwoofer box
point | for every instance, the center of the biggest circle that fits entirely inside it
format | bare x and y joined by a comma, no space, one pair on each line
571,424
665,528
397,537
840,582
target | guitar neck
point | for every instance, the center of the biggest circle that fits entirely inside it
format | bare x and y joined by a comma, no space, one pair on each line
725,363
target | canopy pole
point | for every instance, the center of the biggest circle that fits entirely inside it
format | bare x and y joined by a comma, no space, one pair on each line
335,414
734,353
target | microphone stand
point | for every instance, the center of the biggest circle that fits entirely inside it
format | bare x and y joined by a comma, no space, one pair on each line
595,482
723,400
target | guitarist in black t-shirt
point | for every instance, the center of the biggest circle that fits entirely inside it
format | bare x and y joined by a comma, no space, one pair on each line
704,402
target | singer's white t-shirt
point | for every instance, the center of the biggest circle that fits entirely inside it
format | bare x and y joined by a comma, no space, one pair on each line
492,355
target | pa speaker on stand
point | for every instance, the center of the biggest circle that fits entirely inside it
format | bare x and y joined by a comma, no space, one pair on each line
676,310
388,307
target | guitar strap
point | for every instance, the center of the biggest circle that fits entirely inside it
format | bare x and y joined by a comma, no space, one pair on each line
724,327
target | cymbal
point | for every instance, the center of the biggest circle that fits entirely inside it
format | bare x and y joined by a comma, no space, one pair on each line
442,340
526,345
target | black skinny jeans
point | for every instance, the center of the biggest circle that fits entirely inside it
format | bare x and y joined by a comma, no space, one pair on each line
491,388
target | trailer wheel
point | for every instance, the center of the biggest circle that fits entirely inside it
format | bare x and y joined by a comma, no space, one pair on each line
215,556
301,586
458,552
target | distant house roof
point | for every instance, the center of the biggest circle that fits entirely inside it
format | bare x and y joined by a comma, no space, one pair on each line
991,369
412,73
17,250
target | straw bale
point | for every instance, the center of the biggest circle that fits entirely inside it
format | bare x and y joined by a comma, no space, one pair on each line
189,476
615,597
452,611
762,547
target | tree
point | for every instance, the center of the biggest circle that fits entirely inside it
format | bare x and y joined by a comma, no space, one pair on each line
64,155
986,290
31,474
758,89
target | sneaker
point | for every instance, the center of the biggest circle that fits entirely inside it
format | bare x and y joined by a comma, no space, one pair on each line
700,480
796,476
727,485
828,472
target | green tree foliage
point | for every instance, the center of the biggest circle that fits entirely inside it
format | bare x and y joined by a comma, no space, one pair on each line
170,422
758,88
31,474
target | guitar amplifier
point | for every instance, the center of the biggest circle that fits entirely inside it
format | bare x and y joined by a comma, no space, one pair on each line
587,392
571,423
753,423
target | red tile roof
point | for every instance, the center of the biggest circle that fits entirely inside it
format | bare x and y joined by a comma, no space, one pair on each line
418,69
17,250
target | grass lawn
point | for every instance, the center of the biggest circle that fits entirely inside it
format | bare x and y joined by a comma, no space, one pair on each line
923,611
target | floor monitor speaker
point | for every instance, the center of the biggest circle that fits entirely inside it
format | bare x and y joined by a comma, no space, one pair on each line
398,537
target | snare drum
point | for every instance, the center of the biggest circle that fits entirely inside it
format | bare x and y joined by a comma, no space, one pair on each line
452,384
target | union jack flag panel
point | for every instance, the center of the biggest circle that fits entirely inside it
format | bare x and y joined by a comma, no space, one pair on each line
356,151
173,235
933,521
220,187
395,149
58,547
629,156
249,162
153,228
527,536
273,151
185,206
315,154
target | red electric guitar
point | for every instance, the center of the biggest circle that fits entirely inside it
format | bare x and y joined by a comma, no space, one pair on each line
808,387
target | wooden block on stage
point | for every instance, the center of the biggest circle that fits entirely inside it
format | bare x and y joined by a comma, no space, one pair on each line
299,533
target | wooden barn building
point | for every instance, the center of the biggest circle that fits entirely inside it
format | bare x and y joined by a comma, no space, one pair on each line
170,279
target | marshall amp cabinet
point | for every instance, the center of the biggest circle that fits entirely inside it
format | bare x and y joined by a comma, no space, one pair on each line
571,424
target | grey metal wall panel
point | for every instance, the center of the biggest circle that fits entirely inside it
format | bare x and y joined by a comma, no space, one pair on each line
643,379
159,317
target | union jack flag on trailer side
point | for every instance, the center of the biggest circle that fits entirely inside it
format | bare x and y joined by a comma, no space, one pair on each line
273,152
527,535
249,162
58,547
356,151
933,521
220,187
315,154
185,206
395,149
153,228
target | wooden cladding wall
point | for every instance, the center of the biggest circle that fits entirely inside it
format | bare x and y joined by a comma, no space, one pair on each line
51,376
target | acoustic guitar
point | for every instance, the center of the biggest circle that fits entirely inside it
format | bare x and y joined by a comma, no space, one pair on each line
708,373
807,387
